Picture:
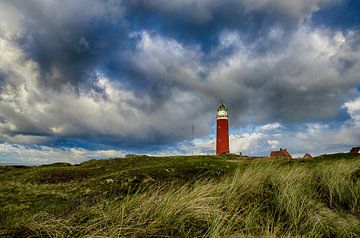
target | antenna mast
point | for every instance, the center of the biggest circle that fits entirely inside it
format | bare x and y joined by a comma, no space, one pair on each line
193,138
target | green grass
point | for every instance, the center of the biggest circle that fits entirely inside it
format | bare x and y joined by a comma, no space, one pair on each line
195,196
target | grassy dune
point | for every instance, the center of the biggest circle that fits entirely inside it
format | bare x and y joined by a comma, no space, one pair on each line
200,196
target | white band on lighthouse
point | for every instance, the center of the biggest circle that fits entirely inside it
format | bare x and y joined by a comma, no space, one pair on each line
222,114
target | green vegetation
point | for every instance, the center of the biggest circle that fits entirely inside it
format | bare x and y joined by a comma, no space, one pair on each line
197,196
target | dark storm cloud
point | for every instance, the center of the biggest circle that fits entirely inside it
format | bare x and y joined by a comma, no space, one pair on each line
125,73
306,81
70,39
194,21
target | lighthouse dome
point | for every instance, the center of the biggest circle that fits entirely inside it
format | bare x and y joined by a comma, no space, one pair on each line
222,111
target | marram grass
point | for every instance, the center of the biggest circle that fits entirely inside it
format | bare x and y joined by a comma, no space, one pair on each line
267,198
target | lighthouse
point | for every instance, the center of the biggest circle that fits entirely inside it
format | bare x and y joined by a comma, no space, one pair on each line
222,130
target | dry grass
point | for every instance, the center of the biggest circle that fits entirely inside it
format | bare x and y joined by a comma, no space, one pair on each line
265,199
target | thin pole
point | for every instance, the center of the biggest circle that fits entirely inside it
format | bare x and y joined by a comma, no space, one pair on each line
193,138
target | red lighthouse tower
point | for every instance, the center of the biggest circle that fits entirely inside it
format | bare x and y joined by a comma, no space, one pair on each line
222,130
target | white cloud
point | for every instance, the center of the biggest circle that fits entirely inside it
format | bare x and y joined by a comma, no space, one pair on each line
309,62
315,128
273,143
305,80
34,155
166,61
205,11
245,142
271,126
353,109
110,109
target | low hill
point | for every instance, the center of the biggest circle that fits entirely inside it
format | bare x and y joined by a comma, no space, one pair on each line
183,196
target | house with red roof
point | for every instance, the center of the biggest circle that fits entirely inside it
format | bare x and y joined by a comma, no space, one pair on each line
307,156
282,153
355,150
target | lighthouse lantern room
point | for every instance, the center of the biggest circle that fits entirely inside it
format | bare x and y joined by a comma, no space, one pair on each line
222,130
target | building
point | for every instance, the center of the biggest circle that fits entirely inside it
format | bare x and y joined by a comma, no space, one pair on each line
355,150
307,156
282,153
222,130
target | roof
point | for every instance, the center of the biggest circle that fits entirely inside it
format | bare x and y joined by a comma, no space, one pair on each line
282,153
307,155
222,107
355,150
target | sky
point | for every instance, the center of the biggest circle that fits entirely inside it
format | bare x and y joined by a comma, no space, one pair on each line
96,79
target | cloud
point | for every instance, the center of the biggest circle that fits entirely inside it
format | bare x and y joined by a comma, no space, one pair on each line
273,143
35,155
292,85
113,113
353,109
107,110
297,85
202,20
68,39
